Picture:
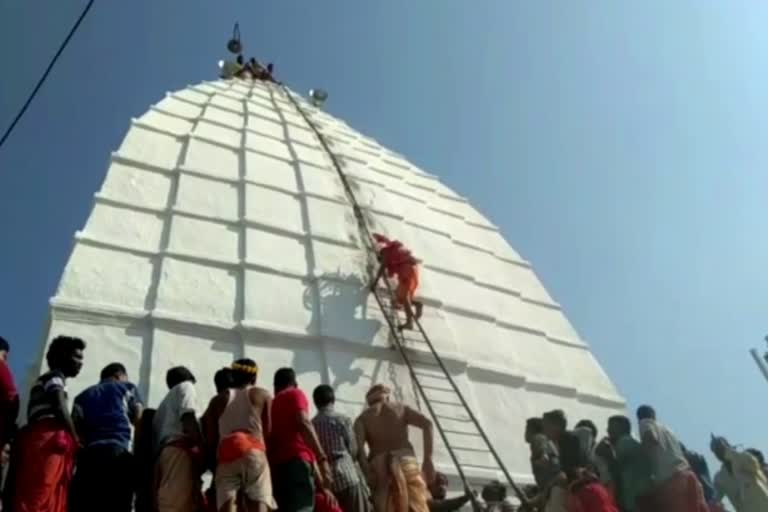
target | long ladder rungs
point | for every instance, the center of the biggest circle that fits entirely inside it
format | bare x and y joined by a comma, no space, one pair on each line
400,341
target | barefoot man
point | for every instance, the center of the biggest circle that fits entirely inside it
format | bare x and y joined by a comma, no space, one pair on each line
397,260
238,422
397,483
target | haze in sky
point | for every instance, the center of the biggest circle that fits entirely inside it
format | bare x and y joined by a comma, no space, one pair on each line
620,147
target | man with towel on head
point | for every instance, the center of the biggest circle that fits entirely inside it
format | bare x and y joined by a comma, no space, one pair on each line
397,483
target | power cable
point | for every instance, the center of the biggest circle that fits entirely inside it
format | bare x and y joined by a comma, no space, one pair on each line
46,73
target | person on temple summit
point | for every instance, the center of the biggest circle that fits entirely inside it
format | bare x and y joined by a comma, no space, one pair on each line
238,422
294,449
103,415
49,441
338,440
231,69
632,466
178,445
545,465
740,478
398,261
675,487
9,399
397,483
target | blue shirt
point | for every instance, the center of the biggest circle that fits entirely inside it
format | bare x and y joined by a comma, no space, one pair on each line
103,413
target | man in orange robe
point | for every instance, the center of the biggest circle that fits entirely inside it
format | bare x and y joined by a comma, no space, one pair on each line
398,261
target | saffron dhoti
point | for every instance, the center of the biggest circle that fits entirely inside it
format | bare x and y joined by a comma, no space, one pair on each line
399,485
43,474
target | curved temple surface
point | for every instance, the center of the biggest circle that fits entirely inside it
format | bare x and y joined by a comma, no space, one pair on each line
223,231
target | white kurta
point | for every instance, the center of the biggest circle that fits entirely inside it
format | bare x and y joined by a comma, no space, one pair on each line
745,486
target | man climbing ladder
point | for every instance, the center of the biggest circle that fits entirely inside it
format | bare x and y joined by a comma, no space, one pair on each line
397,260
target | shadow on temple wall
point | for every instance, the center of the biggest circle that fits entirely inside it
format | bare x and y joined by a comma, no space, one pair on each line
339,306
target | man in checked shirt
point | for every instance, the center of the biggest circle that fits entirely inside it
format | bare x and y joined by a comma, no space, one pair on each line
334,431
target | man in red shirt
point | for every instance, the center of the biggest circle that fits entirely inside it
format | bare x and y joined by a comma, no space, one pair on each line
397,260
294,449
9,398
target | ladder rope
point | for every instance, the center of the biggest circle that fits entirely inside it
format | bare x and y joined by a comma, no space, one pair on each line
398,336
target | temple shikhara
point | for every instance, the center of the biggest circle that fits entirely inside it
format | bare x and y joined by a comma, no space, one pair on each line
234,221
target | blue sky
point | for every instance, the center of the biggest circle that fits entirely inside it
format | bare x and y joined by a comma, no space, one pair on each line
620,146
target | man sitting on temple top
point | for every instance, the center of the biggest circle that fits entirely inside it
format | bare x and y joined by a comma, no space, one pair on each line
397,483
397,260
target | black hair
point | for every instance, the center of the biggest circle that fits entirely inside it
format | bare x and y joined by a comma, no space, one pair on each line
588,424
270,67
534,425
284,378
61,348
177,375
4,346
494,491
239,59
622,422
757,454
323,395
113,370
222,379
556,417
646,412
246,374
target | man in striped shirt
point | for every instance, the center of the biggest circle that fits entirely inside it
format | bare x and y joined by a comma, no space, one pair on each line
335,433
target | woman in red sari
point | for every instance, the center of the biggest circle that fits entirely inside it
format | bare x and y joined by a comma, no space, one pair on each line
48,442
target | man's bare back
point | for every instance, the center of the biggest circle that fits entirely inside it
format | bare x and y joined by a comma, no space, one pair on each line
260,400
385,427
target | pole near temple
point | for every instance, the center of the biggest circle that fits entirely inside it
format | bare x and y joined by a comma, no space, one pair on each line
761,360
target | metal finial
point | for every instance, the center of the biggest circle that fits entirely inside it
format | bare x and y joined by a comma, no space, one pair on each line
234,45
318,97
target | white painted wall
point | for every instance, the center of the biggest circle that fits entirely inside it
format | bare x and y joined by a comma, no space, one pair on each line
222,230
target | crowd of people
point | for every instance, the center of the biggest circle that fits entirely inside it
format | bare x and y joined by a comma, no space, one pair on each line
105,450
655,472
252,70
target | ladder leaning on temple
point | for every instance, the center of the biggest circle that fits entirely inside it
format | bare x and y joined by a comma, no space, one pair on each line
411,358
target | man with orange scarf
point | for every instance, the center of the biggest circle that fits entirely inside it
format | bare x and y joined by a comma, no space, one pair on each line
398,261
397,483
238,423
47,444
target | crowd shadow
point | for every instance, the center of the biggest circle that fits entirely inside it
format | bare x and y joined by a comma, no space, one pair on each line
339,306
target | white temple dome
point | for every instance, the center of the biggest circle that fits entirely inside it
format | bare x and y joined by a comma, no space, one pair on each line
222,230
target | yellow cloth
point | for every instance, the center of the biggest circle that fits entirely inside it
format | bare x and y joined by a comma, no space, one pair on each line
398,485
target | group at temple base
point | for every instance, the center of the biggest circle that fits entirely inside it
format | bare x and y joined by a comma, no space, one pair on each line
108,452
